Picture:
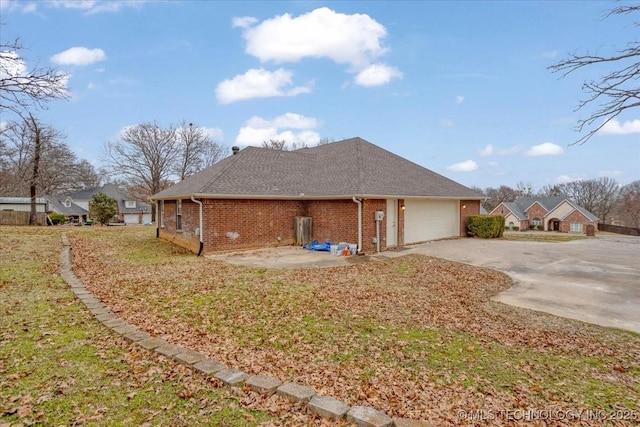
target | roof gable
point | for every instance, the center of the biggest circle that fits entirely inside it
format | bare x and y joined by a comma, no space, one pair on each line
353,167
552,203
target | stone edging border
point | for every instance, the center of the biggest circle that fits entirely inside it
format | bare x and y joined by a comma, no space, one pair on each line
323,406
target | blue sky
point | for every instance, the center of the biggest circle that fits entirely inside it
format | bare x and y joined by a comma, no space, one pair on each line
461,88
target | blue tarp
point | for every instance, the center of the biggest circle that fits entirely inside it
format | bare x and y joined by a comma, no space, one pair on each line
315,246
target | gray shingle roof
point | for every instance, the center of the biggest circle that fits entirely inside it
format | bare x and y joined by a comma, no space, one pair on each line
521,205
56,203
116,193
343,169
22,200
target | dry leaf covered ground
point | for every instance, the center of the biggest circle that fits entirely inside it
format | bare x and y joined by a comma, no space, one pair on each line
416,337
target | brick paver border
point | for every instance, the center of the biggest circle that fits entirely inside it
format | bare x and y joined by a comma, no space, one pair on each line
324,406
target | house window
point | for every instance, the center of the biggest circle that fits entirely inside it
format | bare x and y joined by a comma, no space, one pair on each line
511,225
67,203
178,214
161,213
575,227
129,204
536,224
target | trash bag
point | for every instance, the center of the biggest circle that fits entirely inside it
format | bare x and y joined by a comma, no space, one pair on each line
315,246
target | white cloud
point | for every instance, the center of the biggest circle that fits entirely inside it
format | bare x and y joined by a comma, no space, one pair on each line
11,65
487,151
79,56
614,127
376,75
459,99
30,7
258,83
545,149
467,166
214,133
290,127
97,6
243,21
355,40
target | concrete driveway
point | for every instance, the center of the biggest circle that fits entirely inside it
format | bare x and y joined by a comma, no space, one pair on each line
596,280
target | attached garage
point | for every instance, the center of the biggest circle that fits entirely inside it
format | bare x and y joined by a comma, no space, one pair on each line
430,220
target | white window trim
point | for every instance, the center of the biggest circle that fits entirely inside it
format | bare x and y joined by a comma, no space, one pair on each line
179,215
576,227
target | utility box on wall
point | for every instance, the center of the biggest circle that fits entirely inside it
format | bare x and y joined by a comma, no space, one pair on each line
379,215
302,230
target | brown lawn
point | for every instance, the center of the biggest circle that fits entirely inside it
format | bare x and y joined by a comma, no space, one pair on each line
415,336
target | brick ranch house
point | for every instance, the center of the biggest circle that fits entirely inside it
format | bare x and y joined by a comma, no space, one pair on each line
546,213
352,190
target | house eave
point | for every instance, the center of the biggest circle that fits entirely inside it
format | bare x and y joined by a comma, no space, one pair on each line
303,196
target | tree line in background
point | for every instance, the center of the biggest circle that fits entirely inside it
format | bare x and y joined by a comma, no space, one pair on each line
35,160
611,202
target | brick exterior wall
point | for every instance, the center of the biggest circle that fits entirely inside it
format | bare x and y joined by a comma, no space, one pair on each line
576,217
243,224
471,207
231,224
536,211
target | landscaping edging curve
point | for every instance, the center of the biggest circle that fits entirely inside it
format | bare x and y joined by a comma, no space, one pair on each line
324,406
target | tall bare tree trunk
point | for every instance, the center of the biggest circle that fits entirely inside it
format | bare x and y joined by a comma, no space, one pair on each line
33,218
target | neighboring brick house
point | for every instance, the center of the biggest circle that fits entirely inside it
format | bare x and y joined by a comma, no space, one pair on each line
352,190
546,213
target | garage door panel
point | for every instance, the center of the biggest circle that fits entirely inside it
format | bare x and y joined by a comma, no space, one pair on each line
430,219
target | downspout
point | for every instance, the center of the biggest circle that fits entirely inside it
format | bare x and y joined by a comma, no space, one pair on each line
157,219
359,202
200,233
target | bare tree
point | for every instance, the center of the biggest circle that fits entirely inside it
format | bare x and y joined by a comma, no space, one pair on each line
21,88
617,90
495,196
551,191
197,150
26,144
628,206
146,156
275,144
524,189
598,196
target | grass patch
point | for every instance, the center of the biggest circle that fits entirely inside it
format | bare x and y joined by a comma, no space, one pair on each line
542,237
398,334
59,366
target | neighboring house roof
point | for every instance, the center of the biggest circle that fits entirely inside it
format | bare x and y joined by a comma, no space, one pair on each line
343,169
515,209
21,201
591,217
57,203
520,206
114,192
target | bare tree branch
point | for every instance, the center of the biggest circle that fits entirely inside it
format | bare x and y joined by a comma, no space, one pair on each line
22,89
616,91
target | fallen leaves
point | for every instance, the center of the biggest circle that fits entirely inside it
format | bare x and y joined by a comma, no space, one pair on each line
416,337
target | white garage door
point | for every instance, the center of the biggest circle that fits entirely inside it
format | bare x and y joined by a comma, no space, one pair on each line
430,219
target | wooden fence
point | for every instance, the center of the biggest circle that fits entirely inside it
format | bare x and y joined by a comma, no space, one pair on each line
630,231
20,218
